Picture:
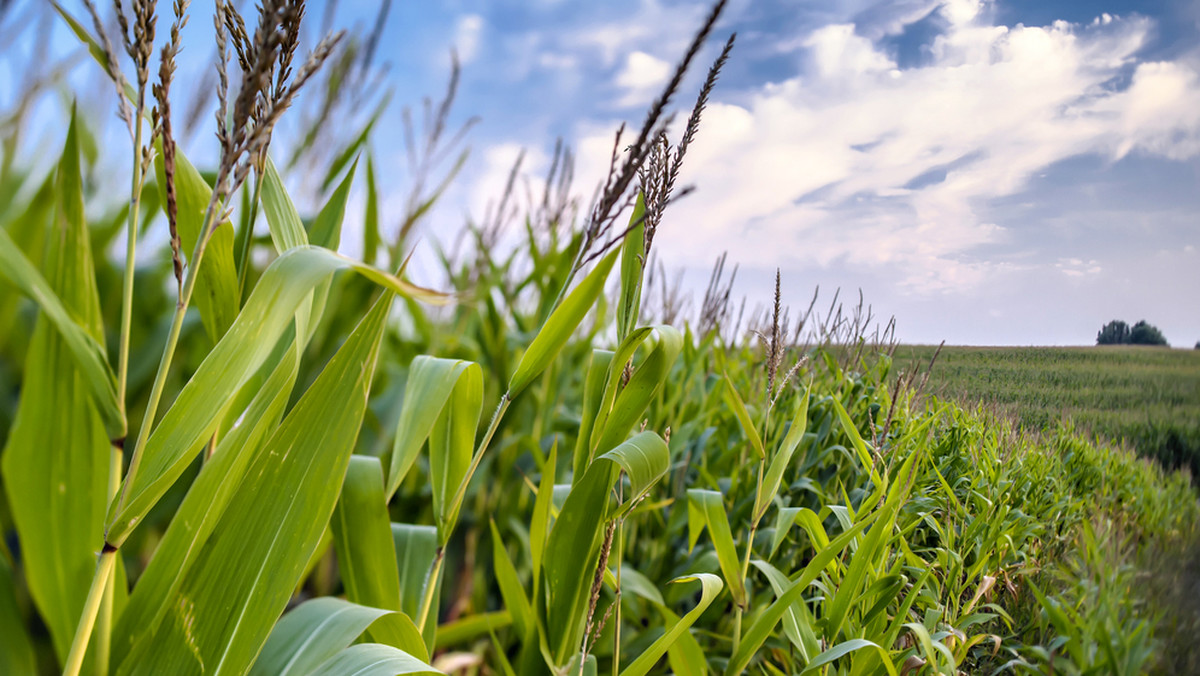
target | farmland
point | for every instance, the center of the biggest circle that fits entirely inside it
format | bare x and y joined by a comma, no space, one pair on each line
1145,397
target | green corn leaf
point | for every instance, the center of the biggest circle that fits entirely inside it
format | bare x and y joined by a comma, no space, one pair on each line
684,654
471,627
203,508
710,586
621,412
847,647
371,238
632,262
868,553
782,458
706,509
312,633
572,550
860,445
416,548
783,523
932,648
190,421
734,400
216,294
433,385
56,462
287,230
765,623
451,445
239,585
84,349
372,659
539,524
593,394
798,623
362,537
559,326
326,230
510,587
16,650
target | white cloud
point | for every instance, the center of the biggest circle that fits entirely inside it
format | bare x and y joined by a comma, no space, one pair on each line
641,77
854,161
467,34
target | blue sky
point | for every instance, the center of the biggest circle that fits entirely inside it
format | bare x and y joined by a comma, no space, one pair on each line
989,172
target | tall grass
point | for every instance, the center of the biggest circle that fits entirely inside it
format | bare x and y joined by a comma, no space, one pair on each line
552,475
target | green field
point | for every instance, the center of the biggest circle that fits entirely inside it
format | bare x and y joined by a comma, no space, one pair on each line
1146,397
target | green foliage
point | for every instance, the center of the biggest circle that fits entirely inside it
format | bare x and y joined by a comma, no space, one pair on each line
1146,334
1144,398
1118,332
1115,332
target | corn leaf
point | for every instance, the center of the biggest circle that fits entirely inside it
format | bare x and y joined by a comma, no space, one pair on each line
362,537
84,349
845,648
16,650
190,421
56,462
312,633
372,659
432,382
633,261
451,445
782,458
203,508
560,325
416,548
283,221
593,395
620,412
765,623
734,400
706,509
510,587
237,588
573,546
710,586
326,230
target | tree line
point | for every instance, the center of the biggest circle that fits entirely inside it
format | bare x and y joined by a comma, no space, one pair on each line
1118,332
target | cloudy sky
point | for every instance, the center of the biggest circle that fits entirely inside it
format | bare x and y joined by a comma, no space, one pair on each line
987,171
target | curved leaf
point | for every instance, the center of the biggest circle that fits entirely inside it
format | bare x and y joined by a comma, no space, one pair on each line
710,586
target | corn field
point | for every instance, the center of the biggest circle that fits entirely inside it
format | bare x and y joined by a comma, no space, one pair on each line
245,453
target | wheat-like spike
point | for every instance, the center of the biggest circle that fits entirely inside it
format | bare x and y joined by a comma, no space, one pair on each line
113,67
222,77
143,40
162,94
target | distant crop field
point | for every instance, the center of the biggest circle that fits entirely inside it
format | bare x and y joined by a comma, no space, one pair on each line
1148,397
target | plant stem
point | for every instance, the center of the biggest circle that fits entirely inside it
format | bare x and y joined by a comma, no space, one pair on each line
135,207
430,587
87,621
164,365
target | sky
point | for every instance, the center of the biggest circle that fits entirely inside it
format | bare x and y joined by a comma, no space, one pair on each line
987,171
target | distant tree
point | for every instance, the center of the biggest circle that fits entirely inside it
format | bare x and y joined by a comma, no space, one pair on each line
1198,344
1146,334
1115,332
